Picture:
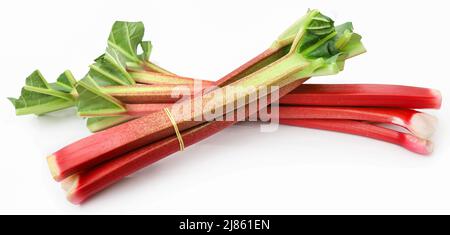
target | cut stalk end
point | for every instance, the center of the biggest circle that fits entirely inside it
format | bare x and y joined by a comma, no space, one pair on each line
418,145
53,166
438,98
70,185
423,125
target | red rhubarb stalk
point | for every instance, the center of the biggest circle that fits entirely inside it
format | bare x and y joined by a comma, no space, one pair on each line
83,185
410,142
301,61
140,110
367,95
74,158
118,140
113,142
348,95
420,124
110,143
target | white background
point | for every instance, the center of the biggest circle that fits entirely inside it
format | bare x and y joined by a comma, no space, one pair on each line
239,171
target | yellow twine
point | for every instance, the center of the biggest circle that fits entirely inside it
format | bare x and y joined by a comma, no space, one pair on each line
175,127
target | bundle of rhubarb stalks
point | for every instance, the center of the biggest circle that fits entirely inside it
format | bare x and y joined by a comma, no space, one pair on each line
142,113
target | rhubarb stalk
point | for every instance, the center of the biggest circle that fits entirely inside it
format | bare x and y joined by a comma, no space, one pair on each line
420,124
348,95
83,185
410,142
365,95
317,45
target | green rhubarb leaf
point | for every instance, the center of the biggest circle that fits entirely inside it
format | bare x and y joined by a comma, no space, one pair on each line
39,97
320,42
67,79
108,70
319,39
331,66
317,27
344,34
90,81
125,37
334,46
37,80
354,46
147,50
288,36
92,102
328,43
346,42
66,82
123,42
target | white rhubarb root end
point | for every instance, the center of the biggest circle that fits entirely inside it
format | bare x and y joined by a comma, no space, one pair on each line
423,125
418,145
438,96
54,170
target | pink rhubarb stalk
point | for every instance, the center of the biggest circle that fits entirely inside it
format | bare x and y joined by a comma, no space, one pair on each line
300,62
111,143
85,184
420,124
118,140
410,142
365,95
348,95
82,186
